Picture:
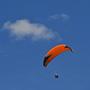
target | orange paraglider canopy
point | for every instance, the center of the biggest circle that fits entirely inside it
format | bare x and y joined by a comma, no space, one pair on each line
55,51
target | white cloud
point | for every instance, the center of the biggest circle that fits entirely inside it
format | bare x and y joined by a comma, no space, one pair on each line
55,16
64,16
59,17
24,28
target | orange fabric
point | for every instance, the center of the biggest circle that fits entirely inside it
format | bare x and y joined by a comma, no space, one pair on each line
55,51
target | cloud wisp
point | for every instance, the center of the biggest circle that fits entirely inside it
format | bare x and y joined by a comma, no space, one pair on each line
24,28
62,17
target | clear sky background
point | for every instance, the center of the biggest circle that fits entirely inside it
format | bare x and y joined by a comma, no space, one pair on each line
21,59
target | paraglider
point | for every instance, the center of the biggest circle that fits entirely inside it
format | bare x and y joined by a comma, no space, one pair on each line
56,76
55,51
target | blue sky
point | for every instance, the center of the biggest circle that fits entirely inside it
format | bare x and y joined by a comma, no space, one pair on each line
21,58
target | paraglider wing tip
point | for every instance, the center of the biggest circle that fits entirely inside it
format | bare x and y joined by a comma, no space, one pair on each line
45,62
69,48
